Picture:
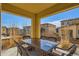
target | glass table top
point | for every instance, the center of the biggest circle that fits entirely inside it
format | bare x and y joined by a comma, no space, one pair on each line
45,45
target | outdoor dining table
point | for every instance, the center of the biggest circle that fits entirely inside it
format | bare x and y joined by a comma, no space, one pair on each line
45,45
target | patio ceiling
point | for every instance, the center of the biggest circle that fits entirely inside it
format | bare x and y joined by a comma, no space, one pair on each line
39,9
33,8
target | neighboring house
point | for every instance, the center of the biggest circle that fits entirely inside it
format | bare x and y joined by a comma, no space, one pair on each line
49,31
13,34
44,28
47,28
70,22
4,31
70,30
27,30
14,30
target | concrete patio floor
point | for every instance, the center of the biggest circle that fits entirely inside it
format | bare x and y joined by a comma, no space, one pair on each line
9,52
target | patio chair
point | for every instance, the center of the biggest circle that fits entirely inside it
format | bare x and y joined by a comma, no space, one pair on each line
22,50
57,53
72,50
26,51
67,53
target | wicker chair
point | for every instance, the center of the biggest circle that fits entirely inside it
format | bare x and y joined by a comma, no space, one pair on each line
26,51
22,50
72,50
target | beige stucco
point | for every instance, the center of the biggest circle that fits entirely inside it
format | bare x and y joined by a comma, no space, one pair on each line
64,32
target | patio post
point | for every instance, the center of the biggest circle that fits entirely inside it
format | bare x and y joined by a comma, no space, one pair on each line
35,30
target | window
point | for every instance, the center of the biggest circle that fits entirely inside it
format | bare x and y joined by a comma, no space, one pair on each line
62,23
70,34
66,23
70,22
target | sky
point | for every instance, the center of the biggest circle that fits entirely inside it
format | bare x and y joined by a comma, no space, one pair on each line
8,19
56,19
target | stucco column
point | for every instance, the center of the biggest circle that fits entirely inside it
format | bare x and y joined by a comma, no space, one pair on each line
35,30
0,38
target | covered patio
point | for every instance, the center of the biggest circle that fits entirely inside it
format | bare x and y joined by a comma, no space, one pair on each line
36,12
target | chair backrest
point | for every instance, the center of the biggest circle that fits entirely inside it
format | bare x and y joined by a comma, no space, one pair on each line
72,50
23,51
